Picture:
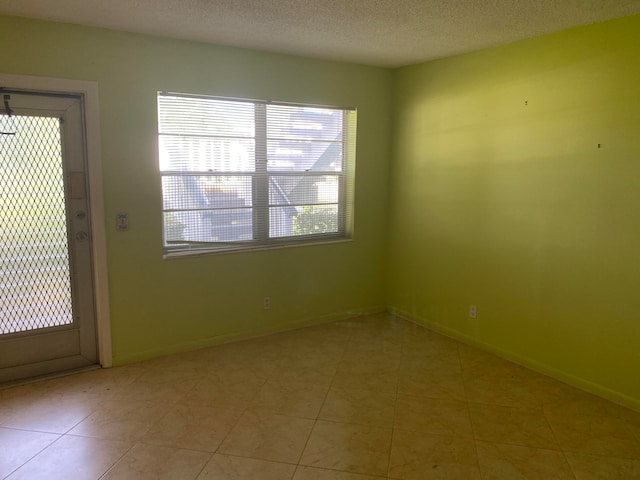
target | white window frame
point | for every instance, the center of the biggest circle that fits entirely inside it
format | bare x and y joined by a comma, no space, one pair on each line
261,177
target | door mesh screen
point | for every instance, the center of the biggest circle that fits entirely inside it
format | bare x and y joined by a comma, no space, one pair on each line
35,286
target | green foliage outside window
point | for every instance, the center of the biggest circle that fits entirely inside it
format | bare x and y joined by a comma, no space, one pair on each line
314,220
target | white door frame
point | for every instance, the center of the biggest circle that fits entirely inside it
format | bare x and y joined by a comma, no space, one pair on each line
89,92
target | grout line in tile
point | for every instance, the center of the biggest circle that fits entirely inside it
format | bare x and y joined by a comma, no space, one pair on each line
235,424
395,404
204,466
40,452
35,454
115,462
80,421
468,408
564,455
255,458
315,421
31,430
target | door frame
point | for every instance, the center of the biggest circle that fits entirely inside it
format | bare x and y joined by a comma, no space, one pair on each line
89,92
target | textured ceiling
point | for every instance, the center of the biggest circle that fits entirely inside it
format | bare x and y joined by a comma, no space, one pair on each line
386,33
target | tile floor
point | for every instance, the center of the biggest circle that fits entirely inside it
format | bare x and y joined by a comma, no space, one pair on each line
372,398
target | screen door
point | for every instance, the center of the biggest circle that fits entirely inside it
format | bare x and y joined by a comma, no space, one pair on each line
47,320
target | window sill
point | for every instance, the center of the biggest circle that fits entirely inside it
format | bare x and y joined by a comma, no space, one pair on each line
246,249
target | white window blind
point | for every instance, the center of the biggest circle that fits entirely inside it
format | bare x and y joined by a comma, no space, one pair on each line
240,174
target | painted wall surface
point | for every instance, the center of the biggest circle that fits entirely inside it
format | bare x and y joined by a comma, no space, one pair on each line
160,306
502,198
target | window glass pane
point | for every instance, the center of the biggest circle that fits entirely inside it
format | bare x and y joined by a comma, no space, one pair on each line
297,156
304,123
205,116
208,226
303,190
206,154
192,192
304,138
306,220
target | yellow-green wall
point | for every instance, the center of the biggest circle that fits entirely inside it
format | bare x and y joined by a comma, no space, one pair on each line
499,193
160,306
501,198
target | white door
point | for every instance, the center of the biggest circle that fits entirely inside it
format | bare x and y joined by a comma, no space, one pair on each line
47,318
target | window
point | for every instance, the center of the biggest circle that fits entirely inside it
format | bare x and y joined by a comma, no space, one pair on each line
239,174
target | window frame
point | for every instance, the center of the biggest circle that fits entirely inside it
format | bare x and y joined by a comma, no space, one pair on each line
261,177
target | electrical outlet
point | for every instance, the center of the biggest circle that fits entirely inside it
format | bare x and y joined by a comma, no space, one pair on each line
266,303
473,311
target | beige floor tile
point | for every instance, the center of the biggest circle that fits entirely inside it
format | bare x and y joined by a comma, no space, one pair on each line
633,420
147,462
308,346
51,413
515,426
560,399
255,403
364,407
310,352
263,435
188,362
433,415
246,353
335,331
379,328
476,362
590,467
597,435
102,383
254,368
379,334
388,352
432,384
377,382
121,420
506,390
431,346
296,399
193,427
311,473
320,374
224,467
225,390
347,447
422,362
14,395
18,446
511,462
251,370
74,458
157,385
370,362
422,456
149,392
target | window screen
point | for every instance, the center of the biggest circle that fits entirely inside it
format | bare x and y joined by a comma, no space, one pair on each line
242,174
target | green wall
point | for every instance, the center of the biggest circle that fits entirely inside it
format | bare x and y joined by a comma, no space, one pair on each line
502,198
160,306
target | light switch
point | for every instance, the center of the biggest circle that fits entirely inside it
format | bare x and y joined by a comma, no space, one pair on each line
122,222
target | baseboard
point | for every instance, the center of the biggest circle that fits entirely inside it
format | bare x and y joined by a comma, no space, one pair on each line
581,383
246,335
